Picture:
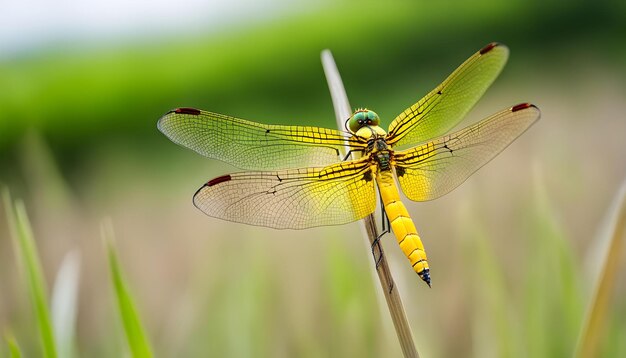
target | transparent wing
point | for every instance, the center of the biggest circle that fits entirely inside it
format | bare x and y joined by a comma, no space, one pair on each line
435,168
292,199
445,106
254,146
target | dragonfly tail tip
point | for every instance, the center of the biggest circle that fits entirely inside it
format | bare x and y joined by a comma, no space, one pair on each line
425,276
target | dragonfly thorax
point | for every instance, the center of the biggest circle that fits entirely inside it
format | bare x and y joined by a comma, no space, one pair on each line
379,152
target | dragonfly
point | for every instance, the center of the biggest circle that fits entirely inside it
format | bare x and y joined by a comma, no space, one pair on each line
295,177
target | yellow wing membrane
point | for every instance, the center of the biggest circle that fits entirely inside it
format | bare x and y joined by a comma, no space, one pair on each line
435,168
445,106
292,199
254,146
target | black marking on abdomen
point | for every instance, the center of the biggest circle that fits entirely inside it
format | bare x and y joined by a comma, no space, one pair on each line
421,260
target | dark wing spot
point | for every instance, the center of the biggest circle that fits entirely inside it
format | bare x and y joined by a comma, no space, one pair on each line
521,106
367,176
267,131
218,180
488,48
400,171
439,92
187,110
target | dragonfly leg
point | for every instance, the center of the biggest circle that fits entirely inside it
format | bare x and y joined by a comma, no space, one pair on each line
376,246
377,251
384,219
350,153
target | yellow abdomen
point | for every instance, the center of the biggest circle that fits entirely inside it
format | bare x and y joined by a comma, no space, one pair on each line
402,225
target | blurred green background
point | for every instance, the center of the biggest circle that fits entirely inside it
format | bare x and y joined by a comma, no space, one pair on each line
511,250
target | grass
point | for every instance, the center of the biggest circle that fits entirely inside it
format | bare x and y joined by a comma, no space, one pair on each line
597,316
14,348
540,315
65,304
546,317
31,267
136,336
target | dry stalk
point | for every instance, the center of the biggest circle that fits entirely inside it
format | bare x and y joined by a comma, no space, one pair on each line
390,291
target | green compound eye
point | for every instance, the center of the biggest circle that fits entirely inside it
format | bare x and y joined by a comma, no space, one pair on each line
362,118
373,117
356,121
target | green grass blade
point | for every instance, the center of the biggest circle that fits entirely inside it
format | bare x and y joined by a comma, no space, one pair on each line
14,348
135,333
598,312
31,267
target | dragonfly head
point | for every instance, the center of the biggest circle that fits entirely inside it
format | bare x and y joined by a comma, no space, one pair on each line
361,118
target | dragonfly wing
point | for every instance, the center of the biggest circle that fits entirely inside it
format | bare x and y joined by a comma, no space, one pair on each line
294,198
445,106
435,168
254,146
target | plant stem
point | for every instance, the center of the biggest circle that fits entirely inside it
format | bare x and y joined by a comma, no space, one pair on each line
394,303
597,312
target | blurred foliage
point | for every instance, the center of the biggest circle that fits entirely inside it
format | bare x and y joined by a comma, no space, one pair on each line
14,348
79,96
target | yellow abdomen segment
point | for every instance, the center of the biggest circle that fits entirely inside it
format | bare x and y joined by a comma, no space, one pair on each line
402,225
